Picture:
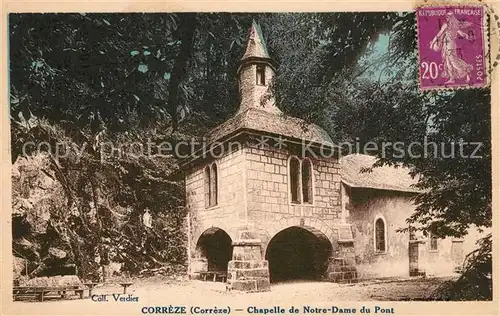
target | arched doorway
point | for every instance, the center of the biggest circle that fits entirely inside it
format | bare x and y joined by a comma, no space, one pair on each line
298,253
215,245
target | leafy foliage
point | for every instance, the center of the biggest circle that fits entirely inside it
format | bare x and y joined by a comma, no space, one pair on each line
87,80
452,158
81,82
99,208
476,282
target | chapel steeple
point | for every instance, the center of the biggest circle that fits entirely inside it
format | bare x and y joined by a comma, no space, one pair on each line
255,73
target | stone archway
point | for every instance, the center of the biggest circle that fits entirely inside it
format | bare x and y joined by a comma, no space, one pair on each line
314,225
298,253
215,247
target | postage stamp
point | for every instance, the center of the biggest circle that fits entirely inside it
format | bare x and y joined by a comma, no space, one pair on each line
452,46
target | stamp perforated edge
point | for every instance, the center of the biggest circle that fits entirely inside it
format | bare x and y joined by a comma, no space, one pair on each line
486,44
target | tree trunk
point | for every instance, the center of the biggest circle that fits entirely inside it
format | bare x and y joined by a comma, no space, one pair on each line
186,31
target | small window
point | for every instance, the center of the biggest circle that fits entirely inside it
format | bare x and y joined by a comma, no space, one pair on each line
306,181
433,242
210,185
300,174
261,75
294,179
207,186
213,185
380,242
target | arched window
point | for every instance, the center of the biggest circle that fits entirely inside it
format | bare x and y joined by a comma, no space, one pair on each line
210,185
433,242
380,235
207,181
301,180
213,185
294,172
307,195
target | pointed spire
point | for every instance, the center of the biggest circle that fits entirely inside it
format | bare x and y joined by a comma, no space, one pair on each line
256,46
256,72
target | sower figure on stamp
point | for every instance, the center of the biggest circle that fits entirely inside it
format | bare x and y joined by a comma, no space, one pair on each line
454,66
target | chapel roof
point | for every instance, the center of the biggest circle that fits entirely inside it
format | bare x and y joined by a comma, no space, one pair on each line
267,119
263,121
385,177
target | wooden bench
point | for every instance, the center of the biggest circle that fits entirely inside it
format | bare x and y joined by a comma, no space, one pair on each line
90,286
41,292
214,275
124,284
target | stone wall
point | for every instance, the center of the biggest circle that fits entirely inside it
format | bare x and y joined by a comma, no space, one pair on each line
395,207
252,95
254,201
269,205
364,207
229,213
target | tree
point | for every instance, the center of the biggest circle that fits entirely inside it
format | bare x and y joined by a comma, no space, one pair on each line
456,179
456,185
132,78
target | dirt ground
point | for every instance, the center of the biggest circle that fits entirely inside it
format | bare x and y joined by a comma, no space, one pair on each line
162,292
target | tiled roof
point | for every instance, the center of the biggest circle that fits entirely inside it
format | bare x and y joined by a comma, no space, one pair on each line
268,118
263,121
385,177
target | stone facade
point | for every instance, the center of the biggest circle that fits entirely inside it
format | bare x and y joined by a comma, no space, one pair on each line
229,213
264,211
254,206
268,193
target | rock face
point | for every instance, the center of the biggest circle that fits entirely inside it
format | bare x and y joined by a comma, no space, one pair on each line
35,196
18,267
75,218
57,253
35,192
58,280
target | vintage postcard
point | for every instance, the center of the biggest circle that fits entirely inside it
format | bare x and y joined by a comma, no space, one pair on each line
226,158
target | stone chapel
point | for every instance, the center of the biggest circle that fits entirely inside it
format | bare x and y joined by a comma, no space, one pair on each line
262,209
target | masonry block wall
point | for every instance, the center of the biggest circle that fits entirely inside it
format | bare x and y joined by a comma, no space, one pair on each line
229,213
269,206
254,193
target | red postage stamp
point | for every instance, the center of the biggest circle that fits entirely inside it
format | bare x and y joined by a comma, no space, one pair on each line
452,46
